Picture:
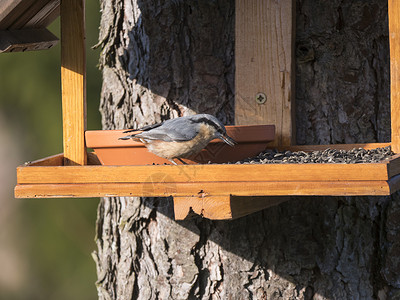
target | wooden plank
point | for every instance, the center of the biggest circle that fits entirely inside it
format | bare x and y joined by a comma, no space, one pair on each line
73,81
271,188
58,160
394,41
28,14
12,10
211,207
6,8
26,40
18,14
48,161
203,173
264,55
46,15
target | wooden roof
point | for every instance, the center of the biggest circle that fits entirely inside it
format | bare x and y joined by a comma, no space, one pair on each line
23,24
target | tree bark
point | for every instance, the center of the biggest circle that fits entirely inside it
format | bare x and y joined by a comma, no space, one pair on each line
164,59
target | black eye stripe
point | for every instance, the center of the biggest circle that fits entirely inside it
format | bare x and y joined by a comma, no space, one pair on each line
205,120
211,123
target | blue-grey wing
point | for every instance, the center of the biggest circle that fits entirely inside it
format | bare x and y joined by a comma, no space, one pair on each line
179,129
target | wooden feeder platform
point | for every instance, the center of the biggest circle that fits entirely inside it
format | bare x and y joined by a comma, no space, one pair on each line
216,191
264,94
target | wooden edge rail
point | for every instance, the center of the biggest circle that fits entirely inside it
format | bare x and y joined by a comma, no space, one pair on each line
202,173
57,160
48,178
50,171
93,160
271,188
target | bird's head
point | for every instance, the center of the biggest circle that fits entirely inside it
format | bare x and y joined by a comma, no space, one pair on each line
217,128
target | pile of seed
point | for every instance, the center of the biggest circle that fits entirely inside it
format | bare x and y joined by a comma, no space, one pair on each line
354,156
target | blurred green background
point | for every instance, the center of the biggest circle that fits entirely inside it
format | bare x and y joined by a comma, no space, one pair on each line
45,244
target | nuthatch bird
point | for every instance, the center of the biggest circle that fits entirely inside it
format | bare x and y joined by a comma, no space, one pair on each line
181,137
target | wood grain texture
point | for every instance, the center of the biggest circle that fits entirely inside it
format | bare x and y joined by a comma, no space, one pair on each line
58,160
203,173
211,207
12,10
28,13
292,188
54,160
264,58
73,81
394,40
26,40
6,7
46,15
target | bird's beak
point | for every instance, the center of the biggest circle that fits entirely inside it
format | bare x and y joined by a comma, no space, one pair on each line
227,139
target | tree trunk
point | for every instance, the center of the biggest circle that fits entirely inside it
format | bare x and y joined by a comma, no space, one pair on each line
164,59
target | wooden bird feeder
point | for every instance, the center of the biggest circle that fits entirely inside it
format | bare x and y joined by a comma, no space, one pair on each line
264,95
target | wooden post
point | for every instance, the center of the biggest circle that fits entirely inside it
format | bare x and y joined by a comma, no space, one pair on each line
264,78
265,65
73,80
394,39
